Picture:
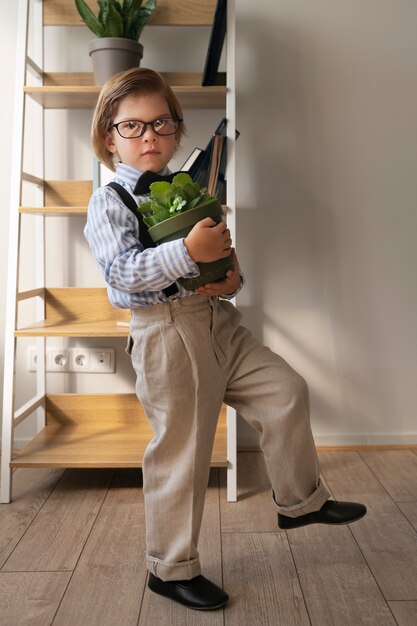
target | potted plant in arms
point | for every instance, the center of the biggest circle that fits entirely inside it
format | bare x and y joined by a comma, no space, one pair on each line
117,26
171,212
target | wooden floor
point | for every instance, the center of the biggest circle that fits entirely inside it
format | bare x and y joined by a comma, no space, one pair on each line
72,550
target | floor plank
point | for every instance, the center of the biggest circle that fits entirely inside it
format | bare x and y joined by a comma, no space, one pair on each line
409,509
57,536
340,576
397,470
163,612
385,537
254,509
107,585
260,577
337,584
405,613
30,491
30,598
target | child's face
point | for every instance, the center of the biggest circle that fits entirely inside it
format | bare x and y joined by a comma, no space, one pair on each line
150,151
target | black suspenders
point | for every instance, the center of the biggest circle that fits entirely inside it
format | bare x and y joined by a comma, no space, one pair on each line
144,236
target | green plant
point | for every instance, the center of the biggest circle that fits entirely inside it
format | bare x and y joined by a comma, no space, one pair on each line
169,199
117,19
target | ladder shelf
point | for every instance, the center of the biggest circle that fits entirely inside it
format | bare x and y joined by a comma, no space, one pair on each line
86,430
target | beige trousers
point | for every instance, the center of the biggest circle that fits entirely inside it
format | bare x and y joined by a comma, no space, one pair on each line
190,355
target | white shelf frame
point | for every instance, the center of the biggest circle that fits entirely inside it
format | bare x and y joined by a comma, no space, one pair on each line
24,63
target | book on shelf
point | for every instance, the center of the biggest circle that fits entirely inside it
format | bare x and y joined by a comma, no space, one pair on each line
216,154
211,75
206,168
191,159
209,168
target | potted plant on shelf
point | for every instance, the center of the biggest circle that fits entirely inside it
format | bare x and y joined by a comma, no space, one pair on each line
171,212
117,26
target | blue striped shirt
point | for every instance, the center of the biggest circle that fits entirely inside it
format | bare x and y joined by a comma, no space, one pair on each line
135,276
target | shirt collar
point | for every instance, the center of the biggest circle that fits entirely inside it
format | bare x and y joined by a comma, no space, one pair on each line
128,175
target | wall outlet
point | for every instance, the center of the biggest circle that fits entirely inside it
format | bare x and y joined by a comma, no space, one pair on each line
32,363
102,360
80,360
93,360
89,360
58,361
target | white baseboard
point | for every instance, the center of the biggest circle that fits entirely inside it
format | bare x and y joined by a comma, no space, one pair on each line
346,439
337,439
367,439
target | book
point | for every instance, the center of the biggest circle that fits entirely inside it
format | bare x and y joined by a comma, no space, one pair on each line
209,168
200,170
213,174
191,159
217,35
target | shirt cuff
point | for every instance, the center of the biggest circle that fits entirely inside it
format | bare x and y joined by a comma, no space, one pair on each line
230,296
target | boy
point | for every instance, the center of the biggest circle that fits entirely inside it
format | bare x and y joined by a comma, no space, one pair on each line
189,351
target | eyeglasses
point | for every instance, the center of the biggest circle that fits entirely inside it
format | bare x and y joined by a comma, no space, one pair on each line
130,129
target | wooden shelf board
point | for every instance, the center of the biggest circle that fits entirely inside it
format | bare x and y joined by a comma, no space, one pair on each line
167,13
65,211
106,328
55,211
67,193
64,97
78,312
86,79
96,431
85,97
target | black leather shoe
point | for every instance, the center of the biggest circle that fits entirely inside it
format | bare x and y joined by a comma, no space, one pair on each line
197,593
330,513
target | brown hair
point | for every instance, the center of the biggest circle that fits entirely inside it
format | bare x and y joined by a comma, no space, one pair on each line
138,80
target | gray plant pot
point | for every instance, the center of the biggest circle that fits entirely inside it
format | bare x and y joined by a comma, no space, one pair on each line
110,55
179,226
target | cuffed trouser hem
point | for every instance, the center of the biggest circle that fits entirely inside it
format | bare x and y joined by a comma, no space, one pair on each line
313,503
185,570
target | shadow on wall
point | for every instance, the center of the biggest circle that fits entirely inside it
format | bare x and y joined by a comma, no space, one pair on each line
285,225
307,220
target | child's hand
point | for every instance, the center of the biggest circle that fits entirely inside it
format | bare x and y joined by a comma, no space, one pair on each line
223,287
208,241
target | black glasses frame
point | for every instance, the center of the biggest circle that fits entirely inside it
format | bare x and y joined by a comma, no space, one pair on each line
145,126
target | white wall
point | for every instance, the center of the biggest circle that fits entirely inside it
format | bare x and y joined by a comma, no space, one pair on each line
326,107
327,100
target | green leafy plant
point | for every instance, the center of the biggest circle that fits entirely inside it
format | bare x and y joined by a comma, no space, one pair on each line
169,199
124,19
